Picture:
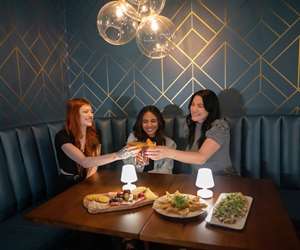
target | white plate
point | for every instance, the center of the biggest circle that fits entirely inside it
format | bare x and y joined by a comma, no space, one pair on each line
238,225
173,215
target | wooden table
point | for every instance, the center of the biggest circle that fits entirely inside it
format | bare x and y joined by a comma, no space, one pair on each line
267,227
66,209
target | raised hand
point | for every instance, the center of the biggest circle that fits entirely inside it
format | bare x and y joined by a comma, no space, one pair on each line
156,153
141,160
127,152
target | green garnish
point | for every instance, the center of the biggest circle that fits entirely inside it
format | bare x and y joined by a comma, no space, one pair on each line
233,206
180,201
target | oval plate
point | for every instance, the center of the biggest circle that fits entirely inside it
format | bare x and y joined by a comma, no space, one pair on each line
174,215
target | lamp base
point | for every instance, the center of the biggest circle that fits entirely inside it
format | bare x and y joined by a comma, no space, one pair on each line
129,186
205,193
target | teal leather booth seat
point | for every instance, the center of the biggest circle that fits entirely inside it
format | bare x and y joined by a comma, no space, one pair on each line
261,147
28,176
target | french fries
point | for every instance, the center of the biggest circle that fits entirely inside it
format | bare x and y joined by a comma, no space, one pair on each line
178,203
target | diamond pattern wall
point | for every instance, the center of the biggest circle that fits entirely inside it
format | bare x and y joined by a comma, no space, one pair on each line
50,50
32,62
250,47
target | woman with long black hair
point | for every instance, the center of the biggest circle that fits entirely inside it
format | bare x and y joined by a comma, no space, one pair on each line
208,137
150,125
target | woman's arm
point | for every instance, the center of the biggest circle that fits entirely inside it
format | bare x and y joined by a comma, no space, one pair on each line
130,160
91,171
91,161
208,148
215,138
165,166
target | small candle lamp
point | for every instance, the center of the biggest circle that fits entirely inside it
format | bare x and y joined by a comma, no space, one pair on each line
205,180
128,176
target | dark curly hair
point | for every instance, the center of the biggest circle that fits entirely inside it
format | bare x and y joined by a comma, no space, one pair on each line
212,106
138,130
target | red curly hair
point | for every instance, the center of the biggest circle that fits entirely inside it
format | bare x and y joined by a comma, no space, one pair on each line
72,126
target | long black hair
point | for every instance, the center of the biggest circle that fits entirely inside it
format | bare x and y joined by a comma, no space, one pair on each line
212,106
138,130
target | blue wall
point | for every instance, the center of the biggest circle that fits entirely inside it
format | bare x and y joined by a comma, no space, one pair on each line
33,88
50,50
249,47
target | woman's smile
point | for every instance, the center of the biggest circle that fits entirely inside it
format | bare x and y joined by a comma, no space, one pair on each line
150,124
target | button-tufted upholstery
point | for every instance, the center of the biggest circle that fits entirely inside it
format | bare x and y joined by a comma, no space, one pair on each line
261,147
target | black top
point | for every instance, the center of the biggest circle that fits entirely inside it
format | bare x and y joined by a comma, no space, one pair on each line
149,167
65,163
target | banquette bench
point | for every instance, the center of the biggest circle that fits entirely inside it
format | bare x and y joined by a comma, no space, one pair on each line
261,147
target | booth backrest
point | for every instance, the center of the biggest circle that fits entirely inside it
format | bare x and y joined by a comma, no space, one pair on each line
267,147
261,147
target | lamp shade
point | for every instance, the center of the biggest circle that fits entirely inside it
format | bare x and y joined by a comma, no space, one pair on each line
205,178
128,174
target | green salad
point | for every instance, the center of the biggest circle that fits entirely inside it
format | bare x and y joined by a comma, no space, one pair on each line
231,207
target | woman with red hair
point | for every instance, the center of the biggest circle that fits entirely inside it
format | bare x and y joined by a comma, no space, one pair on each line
78,147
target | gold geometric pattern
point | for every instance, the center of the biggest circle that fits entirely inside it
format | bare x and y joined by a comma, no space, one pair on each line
32,67
217,46
250,47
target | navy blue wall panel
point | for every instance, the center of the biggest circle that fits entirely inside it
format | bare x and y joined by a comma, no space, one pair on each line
50,50
246,51
33,54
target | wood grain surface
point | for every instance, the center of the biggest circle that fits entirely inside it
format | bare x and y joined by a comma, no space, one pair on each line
66,209
267,226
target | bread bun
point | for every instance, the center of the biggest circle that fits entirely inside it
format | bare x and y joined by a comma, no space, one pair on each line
97,197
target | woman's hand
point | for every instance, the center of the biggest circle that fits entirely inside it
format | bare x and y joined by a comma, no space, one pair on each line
157,153
141,160
91,171
127,152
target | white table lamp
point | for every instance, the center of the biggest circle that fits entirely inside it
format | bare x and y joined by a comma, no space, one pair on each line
205,180
128,176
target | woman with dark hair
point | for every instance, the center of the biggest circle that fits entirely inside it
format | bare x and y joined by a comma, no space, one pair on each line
150,125
78,147
208,137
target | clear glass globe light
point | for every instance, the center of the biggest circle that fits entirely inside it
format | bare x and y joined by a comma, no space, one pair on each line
154,36
145,8
114,24
136,2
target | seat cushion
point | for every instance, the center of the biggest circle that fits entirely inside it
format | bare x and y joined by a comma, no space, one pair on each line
291,201
18,233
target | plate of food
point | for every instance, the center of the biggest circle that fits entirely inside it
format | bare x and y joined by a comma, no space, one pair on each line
117,201
230,210
179,205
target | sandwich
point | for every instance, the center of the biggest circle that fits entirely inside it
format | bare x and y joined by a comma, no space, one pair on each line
142,145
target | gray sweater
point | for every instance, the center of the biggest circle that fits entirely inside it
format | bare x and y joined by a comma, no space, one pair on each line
219,162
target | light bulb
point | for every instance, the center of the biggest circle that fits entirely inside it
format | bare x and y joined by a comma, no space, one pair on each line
119,12
154,25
